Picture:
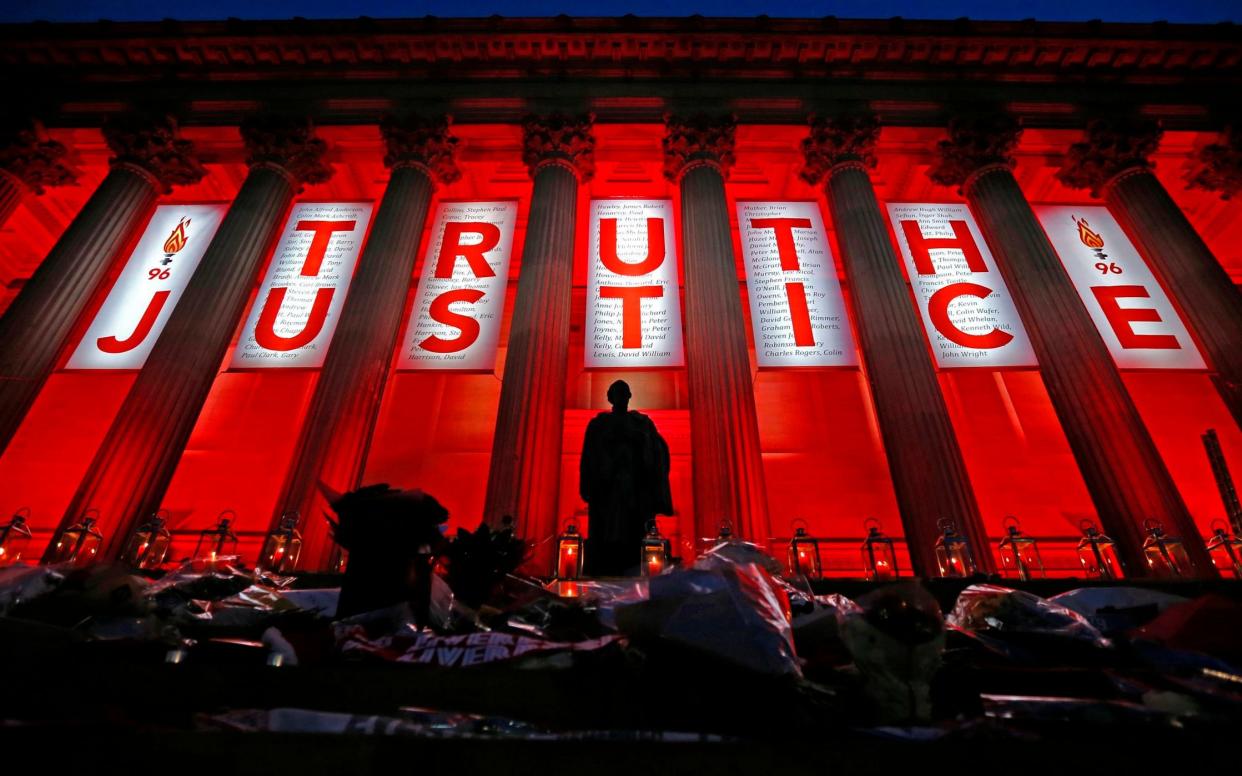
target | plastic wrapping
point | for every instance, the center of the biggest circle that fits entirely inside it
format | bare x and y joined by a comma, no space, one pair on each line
1116,609
408,645
733,611
991,608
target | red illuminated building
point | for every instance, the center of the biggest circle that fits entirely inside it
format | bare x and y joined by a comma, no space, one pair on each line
912,271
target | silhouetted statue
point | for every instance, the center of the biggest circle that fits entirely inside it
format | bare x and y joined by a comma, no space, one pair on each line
623,477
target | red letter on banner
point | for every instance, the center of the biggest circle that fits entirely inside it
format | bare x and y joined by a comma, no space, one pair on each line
1120,317
938,311
631,310
608,248
265,330
439,312
111,344
319,243
451,248
921,246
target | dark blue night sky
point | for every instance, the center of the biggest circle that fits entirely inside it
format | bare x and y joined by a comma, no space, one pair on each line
1044,10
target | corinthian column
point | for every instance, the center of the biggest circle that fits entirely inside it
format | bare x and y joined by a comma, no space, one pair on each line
1114,163
130,472
149,158
1123,472
29,161
724,433
524,478
929,474
343,409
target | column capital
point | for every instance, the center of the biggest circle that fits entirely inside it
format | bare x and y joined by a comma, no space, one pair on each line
1219,165
848,138
287,144
975,143
424,143
29,155
698,140
153,144
1112,146
562,140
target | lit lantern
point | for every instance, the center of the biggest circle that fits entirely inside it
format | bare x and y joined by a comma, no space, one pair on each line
656,552
79,544
282,546
14,537
339,560
953,552
1226,550
148,547
1166,555
1097,553
804,554
1019,553
569,553
879,558
215,543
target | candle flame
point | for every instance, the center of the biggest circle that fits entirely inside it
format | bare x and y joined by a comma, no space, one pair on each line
177,240
1089,236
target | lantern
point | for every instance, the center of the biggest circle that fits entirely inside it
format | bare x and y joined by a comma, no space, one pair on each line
214,543
656,552
953,552
282,546
879,559
14,537
804,554
1019,553
148,547
1226,550
1166,555
339,560
79,543
569,553
1097,553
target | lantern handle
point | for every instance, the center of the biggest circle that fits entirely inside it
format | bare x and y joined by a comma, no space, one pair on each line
92,513
1010,522
1086,523
726,527
1223,522
946,525
653,527
869,520
1152,524
23,513
232,515
798,522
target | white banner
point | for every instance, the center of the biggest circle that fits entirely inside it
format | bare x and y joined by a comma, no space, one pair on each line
633,315
299,303
1128,305
797,311
455,323
147,290
967,311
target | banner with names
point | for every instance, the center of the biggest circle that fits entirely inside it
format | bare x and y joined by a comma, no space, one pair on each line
299,303
967,311
633,315
146,291
1127,303
797,310
455,322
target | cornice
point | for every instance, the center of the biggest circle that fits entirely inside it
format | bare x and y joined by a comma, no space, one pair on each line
608,42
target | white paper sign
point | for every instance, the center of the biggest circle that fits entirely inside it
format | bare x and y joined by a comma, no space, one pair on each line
455,323
299,303
967,311
796,307
148,288
633,315
1127,303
